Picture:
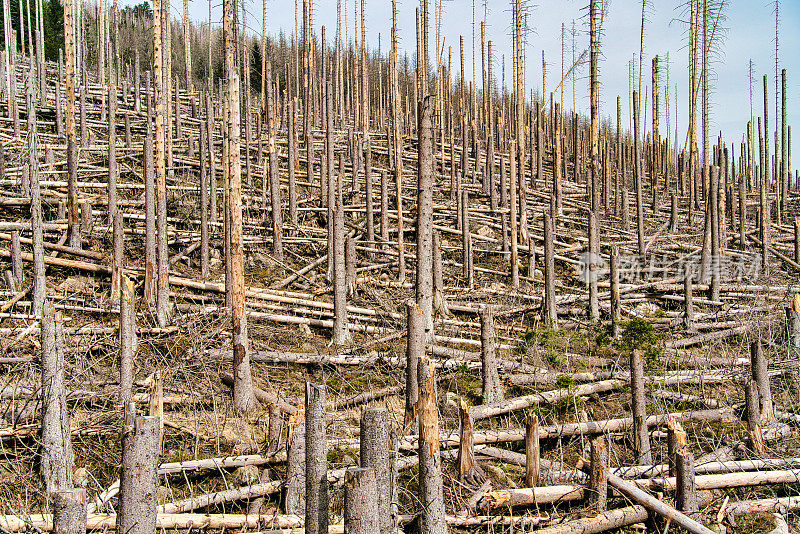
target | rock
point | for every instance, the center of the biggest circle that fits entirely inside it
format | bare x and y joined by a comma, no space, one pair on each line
305,330
449,405
485,231
242,449
80,477
77,284
163,496
780,525
646,309
247,475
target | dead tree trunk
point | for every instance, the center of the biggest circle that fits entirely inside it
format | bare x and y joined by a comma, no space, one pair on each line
431,492
492,388
112,152
532,460
56,460
512,214
162,106
69,511
37,239
415,349
316,461
204,184
425,183
469,471
637,175
127,341
243,396
598,477
341,332
686,494
760,372
116,262
16,259
439,302
614,297
136,512
374,450
361,514
274,178
753,413
296,464
368,185
469,272
72,148
793,325
149,211
641,436
549,313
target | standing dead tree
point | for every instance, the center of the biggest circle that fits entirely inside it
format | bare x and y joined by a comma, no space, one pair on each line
56,458
243,396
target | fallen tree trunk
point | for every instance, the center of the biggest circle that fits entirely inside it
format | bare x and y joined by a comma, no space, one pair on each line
44,522
612,519
574,429
236,494
775,505
633,492
726,480
548,397
537,495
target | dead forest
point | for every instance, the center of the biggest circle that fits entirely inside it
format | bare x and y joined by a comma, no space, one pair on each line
300,284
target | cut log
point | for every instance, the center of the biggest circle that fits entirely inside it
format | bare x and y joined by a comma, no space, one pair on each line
538,495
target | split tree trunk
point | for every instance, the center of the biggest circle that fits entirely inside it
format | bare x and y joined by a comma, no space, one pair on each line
431,490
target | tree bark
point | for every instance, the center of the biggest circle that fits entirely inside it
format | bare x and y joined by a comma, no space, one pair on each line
136,512
760,373
341,332
415,349
69,511
127,341
56,459
116,262
469,471
374,451
598,476
316,461
641,436
532,459
274,178
686,497
361,511
425,184
296,464
492,388
549,312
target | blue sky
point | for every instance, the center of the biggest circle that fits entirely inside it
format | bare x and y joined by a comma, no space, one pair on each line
750,34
